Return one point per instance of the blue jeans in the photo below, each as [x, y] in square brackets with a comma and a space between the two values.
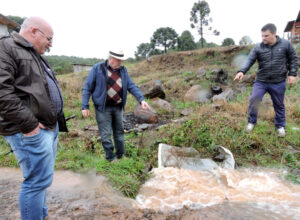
[36, 156]
[111, 121]
[276, 92]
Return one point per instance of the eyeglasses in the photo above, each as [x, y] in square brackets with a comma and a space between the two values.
[50, 39]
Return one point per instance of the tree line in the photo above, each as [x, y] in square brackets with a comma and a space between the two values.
[165, 39]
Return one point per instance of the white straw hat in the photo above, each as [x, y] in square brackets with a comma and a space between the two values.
[119, 54]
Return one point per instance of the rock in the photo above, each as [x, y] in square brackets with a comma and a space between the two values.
[224, 96]
[91, 128]
[187, 111]
[221, 76]
[201, 72]
[197, 94]
[228, 161]
[189, 158]
[216, 90]
[145, 115]
[185, 158]
[145, 126]
[163, 104]
[153, 89]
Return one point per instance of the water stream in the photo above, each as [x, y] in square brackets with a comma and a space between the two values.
[170, 193]
[260, 190]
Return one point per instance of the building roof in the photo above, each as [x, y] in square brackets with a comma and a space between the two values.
[298, 17]
[290, 24]
[6, 21]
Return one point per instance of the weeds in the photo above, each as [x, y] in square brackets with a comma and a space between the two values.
[205, 129]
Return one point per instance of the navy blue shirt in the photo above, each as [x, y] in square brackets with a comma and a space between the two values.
[54, 89]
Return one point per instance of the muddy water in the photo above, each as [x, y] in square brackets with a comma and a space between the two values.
[170, 194]
[263, 192]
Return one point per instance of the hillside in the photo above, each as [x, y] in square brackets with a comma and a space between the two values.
[205, 128]
[190, 60]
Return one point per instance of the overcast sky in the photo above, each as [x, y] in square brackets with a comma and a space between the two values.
[90, 28]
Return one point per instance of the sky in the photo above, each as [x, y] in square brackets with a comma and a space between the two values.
[91, 28]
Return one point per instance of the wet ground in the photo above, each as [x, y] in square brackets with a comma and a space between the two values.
[89, 196]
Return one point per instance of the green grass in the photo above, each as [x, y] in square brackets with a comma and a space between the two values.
[7, 159]
[127, 175]
[205, 129]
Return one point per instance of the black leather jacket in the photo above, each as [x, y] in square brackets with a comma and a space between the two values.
[24, 95]
[274, 62]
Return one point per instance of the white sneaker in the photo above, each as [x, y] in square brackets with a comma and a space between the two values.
[281, 132]
[249, 127]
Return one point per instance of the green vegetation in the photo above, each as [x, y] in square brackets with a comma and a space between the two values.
[205, 129]
[200, 19]
[63, 64]
[228, 41]
[186, 42]
[165, 37]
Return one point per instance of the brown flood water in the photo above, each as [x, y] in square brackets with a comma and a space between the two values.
[170, 193]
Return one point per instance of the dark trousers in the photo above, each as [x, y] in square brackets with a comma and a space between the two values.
[276, 92]
[110, 122]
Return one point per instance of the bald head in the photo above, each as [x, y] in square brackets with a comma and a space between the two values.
[38, 32]
[34, 22]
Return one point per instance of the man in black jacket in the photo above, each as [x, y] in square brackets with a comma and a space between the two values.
[277, 59]
[31, 111]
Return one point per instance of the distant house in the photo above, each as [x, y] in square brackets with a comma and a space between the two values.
[293, 30]
[79, 68]
[5, 24]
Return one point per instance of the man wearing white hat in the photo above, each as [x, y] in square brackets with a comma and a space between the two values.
[108, 83]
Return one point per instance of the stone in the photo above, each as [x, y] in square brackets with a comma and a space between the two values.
[224, 96]
[185, 158]
[187, 111]
[153, 89]
[163, 104]
[197, 94]
[145, 115]
[201, 72]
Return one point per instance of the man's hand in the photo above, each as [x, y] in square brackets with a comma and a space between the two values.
[291, 79]
[144, 105]
[36, 130]
[85, 113]
[239, 76]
